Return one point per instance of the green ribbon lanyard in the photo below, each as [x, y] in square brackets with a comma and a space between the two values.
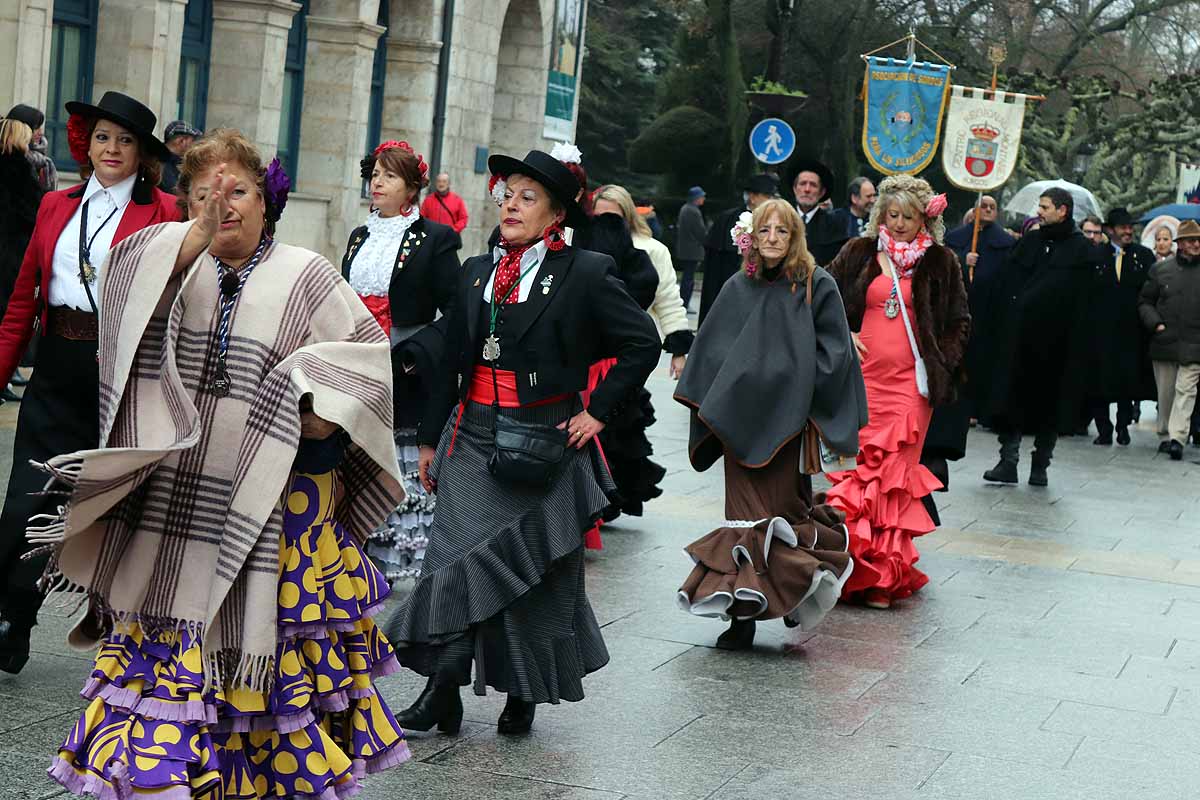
[494, 310]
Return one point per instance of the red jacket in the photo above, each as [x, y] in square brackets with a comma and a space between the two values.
[27, 304]
[449, 210]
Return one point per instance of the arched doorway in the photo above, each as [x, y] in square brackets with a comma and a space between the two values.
[518, 110]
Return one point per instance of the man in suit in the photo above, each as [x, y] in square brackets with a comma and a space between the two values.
[1119, 367]
[811, 181]
[691, 231]
[721, 258]
[855, 215]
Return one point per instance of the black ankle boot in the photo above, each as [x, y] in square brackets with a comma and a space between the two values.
[740, 635]
[14, 647]
[517, 716]
[1037, 473]
[1003, 472]
[439, 704]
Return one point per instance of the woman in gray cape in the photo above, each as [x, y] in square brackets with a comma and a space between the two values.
[772, 382]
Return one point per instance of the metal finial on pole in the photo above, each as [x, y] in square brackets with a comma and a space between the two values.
[911, 52]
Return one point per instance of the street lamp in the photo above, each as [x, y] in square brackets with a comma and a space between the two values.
[1083, 159]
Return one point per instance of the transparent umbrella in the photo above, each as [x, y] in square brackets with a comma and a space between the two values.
[1025, 202]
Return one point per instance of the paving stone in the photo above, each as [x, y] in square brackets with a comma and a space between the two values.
[20, 778]
[977, 778]
[1125, 726]
[1043, 681]
[894, 772]
[445, 782]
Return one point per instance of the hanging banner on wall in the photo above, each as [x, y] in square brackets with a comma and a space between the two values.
[1189, 184]
[562, 85]
[902, 123]
[983, 135]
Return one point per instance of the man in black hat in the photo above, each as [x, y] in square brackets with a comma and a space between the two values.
[825, 234]
[721, 258]
[178, 137]
[1118, 366]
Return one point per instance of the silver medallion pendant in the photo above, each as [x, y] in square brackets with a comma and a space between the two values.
[891, 308]
[87, 272]
[491, 348]
[221, 383]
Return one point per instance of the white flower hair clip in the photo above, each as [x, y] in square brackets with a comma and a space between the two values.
[567, 153]
[742, 232]
[497, 187]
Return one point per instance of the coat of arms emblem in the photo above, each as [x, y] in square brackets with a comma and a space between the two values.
[982, 149]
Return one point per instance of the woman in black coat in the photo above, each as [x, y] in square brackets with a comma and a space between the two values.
[20, 195]
[502, 583]
[404, 268]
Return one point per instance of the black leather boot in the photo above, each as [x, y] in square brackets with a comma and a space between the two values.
[1123, 436]
[14, 647]
[517, 716]
[1037, 472]
[439, 704]
[1003, 472]
[740, 635]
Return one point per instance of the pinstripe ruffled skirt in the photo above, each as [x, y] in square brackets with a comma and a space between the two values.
[502, 585]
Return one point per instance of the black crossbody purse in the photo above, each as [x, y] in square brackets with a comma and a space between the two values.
[526, 453]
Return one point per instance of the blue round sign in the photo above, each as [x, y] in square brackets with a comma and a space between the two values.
[772, 141]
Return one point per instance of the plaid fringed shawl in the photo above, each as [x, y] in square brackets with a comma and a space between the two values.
[175, 522]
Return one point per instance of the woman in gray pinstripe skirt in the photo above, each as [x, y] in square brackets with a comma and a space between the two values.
[502, 584]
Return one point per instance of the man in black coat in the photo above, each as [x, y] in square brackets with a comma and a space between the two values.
[1033, 389]
[824, 232]
[983, 273]
[1118, 367]
[721, 258]
[855, 215]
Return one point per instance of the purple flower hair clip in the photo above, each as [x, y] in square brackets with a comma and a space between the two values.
[277, 185]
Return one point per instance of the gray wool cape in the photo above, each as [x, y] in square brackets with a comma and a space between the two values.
[764, 364]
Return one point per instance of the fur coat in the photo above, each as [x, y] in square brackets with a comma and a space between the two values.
[940, 300]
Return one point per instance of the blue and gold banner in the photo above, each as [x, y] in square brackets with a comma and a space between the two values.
[904, 103]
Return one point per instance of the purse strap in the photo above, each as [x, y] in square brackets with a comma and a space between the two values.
[912, 340]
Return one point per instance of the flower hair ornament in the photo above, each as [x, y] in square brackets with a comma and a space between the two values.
[742, 235]
[497, 186]
[936, 205]
[79, 137]
[567, 153]
[276, 185]
[367, 165]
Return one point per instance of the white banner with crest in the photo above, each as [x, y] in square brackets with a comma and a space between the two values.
[1189, 184]
[982, 137]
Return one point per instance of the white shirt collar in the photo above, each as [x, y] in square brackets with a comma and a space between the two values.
[120, 193]
[807, 216]
[530, 263]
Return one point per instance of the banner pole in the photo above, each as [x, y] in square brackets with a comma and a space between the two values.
[975, 239]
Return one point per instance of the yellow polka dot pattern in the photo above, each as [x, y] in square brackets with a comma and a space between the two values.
[325, 661]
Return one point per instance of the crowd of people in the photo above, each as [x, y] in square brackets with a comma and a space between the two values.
[232, 464]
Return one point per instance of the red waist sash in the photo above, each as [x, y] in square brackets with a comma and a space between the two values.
[483, 391]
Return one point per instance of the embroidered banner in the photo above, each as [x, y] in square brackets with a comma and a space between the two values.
[1189, 184]
[983, 136]
[903, 102]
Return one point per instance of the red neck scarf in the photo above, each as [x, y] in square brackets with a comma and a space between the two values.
[508, 271]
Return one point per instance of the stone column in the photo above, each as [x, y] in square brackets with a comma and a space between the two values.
[25, 27]
[137, 52]
[245, 80]
[333, 122]
[410, 89]
[409, 92]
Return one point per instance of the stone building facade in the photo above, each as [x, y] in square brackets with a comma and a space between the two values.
[313, 81]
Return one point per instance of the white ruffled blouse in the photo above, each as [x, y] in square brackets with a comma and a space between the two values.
[371, 270]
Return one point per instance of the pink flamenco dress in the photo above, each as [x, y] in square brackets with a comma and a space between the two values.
[881, 496]
[154, 730]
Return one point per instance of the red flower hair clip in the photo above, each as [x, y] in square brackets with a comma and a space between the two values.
[79, 137]
[422, 167]
[388, 145]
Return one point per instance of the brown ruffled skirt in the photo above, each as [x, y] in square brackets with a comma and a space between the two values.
[776, 555]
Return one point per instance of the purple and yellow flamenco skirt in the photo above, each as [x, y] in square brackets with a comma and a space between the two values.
[152, 730]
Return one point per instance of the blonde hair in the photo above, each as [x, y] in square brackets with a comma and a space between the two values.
[15, 136]
[798, 263]
[912, 194]
[621, 196]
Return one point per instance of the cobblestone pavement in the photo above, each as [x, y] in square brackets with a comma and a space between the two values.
[1054, 654]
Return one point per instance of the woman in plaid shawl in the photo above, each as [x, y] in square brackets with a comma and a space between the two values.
[245, 419]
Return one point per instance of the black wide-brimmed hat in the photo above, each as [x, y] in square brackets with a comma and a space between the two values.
[1119, 216]
[812, 165]
[129, 114]
[763, 183]
[551, 173]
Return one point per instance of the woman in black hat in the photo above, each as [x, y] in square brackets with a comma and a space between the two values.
[42, 163]
[519, 479]
[58, 286]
